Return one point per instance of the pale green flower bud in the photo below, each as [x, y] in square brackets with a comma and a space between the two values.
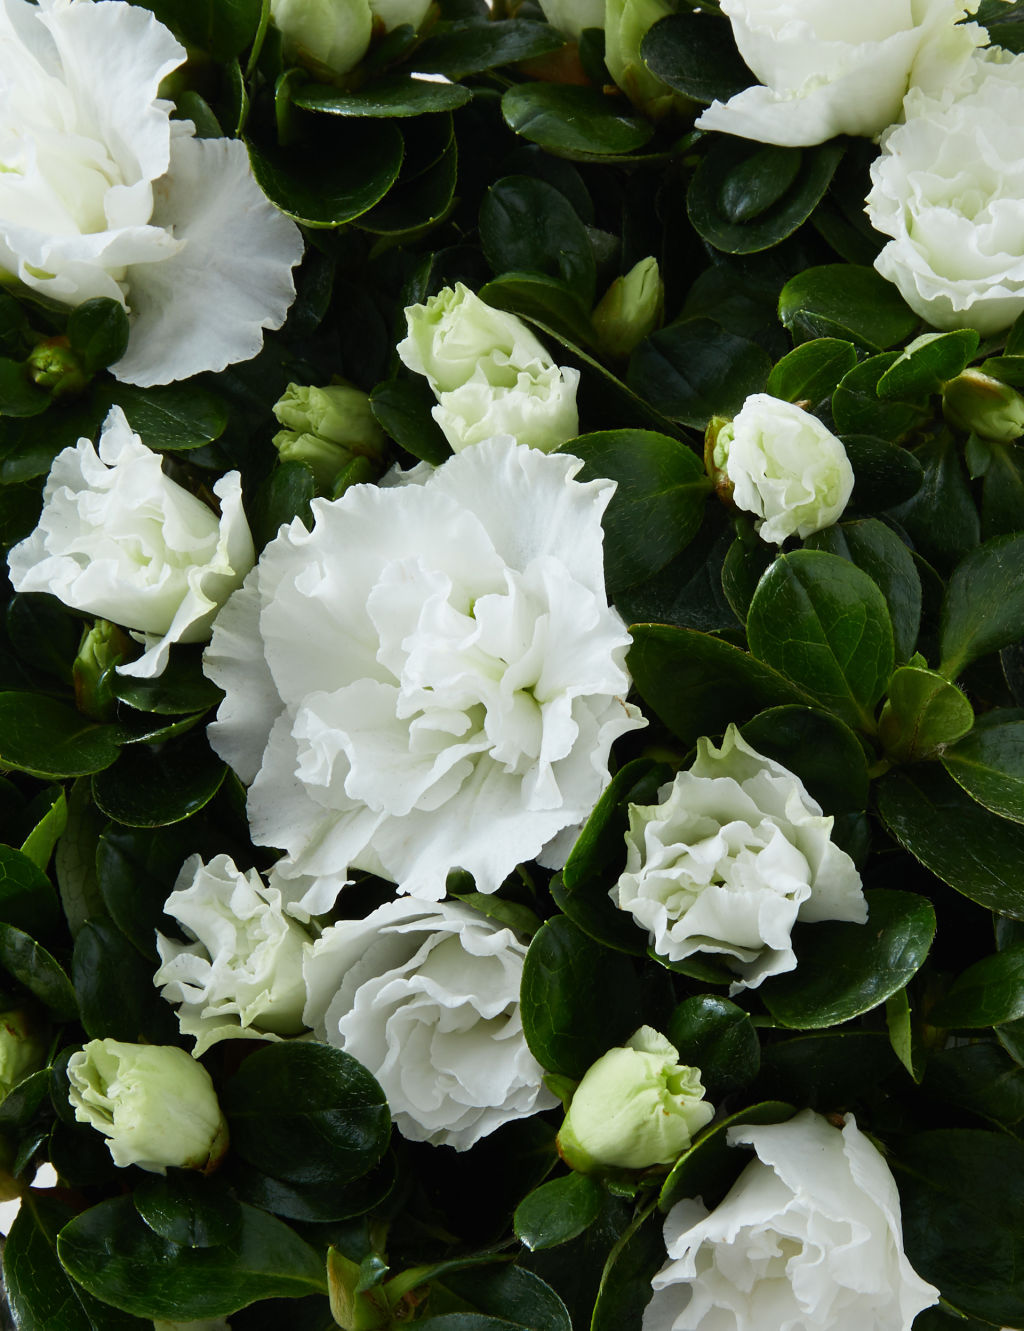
[154, 1103]
[627, 23]
[976, 402]
[630, 309]
[636, 1107]
[571, 17]
[101, 649]
[328, 36]
[22, 1050]
[54, 366]
[326, 428]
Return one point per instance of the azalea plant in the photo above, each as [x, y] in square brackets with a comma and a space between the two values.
[512, 677]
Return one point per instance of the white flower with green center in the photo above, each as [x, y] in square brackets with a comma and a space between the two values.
[102, 194]
[431, 678]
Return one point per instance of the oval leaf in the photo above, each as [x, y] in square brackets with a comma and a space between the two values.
[984, 606]
[989, 764]
[50, 739]
[574, 121]
[558, 1211]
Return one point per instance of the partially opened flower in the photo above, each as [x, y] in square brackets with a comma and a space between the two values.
[732, 855]
[118, 538]
[427, 998]
[431, 678]
[102, 194]
[810, 1238]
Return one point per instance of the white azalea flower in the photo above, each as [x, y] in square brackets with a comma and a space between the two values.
[242, 974]
[432, 678]
[948, 188]
[827, 68]
[102, 194]
[118, 538]
[732, 855]
[427, 998]
[810, 1238]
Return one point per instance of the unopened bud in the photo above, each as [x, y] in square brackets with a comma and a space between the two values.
[977, 403]
[630, 309]
[327, 428]
[54, 366]
[102, 648]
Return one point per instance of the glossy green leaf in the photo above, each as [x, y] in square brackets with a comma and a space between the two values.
[74, 860]
[928, 362]
[747, 197]
[659, 500]
[307, 1113]
[50, 739]
[985, 994]
[696, 683]
[717, 1037]
[823, 752]
[510, 1293]
[695, 54]
[153, 786]
[402, 408]
[573, 120]
[696, 369]
[286, 494]
[115, 989]
[625, 1287]
[397, 95]
[27, 899]
[527, 225]
[171, 417]
[857, 408]
[471, 46]
[710, 1167]
[812, 370]
[984, 606]
[743, 567]
[823, 623]
[221, 27]
[962, 1195]
[828, 1071]
[180, 688]
[981, 1078]
[316, 1203]
[135, 874]
[884, 474]
[577, 998]
[19, 396]
[876, 549]
[989, 764]
[558, 1211]
[188, 1208]
[414, 204]
[546, 300]
[599, 847]
[844, 970]
[846, 301]
[98, 332]
[922, 714]
[942, 517]
[38, 845]
[974, 851]
[112, 1252]
[31, 965]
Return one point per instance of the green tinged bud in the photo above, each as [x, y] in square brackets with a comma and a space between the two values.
[329, 37]
[22, 1050]
[977, 403]
[636, 1107]
[327, 428]
[101, 648]
[627, 23]
[54, 366]
[630, 309]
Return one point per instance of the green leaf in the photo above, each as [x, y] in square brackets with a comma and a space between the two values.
[844, 970]
[397, 95]
[509, 1292]
[879, 552]
[416, 202]
[19, 396]
[658, 505]
[307, 1113]
[846, 301]
[984, 606]
[718, 1037]
[974, 851]
[941, 518]
[98, 333]
[180, 688]
[989, 764]
[823, 623]
[112, 1252]
[402, 408]
[26, 898]
[928, 363]
[545, 300]
[558, 1211]
[981, 1078]
[115, 989]
[696, 369]
[697, 684]
[711, 1166]
[857, 408]
[472, 46]
[136, 872]
[884, 474]
[985, 994]
[829, 1071]
[572, 121]
[188, 1209]
[34, 967]
[823, 752]
[331, 177]
[527, 225]
[286, 494]
[171, 417]
[317, 1203]
[155, 785]
[38, 845]
[962, 1195]
[746, 197]
[49, 739]
[695, 54]
[922, 714]
[812, 370]
[75, 858]
[221, 27]
[577, 998]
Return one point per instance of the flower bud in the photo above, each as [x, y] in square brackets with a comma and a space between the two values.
[22, 1050]
[54, 366]
[326, 428]
[101, 649]
[154, 1103]
[327, 36]
[571, 17]
[977, 403]
[626, 25]
[631, 308]
[636, 1107]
